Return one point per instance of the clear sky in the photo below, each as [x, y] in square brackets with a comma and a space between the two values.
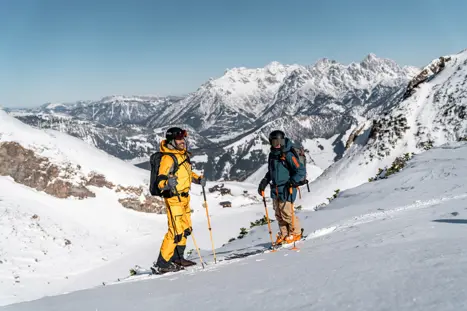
[56, 50]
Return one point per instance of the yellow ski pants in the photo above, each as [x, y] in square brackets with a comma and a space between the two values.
[179, 227]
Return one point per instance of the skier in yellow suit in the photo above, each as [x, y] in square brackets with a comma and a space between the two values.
[176, 186]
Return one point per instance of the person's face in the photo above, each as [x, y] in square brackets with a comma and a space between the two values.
[276, 143]
[180, 144]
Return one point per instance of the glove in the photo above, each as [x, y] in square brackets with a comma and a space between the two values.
[171, 184]
[262, 185]
[187, 232]
[291, 184]
[202, 181]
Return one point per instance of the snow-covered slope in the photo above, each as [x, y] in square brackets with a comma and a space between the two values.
[66, 150]
[432, 114]
[411, 218]
[47, 243]
[49, 246]
[51, 242]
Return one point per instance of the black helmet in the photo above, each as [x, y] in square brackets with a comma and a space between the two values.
[175, 133]
[277, 137]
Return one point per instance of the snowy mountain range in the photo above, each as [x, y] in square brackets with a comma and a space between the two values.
[313, 104]
[431, 113]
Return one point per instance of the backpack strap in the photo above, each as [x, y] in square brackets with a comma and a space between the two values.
[175, 166]
[283, 159]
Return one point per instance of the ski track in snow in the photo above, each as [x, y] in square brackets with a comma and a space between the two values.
[341, 226]
[370, 217]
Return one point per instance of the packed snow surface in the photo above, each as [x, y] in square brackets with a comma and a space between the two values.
[392, 244]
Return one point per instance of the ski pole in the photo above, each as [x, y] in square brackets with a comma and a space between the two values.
[197, 249]
[269, 223]
[209, 225]
[293, 217]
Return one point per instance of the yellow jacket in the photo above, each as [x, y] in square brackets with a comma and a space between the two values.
[185, 176]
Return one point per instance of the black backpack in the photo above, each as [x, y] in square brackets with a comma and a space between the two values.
[155, 162]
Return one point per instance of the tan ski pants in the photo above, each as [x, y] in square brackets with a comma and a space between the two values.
[283, 213]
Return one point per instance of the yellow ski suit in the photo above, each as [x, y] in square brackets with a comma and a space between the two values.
[178, 207]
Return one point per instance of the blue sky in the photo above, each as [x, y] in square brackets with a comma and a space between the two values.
[56, 51]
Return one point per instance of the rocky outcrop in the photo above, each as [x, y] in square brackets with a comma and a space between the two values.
[427, 74]
[353, 136]
[147, 204]
[26, 168]
[29, 169]
[99, 180]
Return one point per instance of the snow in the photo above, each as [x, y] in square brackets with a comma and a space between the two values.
[424, 113]
[200, 158]
[64, 149]
[373, 248]
[321, 151]
[247, 86]
[106, 239]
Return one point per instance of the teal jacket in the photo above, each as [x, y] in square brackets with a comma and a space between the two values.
[283, 168]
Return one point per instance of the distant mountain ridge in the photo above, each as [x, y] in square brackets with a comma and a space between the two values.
[323, 101]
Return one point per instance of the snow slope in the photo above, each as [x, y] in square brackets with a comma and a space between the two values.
[433, 115]
[106, 239]
[394, 244]
[63, 149]
[49, 245]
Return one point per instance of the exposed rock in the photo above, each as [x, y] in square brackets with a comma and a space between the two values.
[353, 136]
[149, 204]
[427, 74]
[64, 189]
[25, 167]
[37, 172]
[99, 180]
[134, 190]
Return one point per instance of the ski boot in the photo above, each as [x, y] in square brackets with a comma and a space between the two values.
[171, 268]
[184, 262]
[293, 237]
[279, 239]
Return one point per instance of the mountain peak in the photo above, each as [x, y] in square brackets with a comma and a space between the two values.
[370, 57]
[275, 67]
[325, 62]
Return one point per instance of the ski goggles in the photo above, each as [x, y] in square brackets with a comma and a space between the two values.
[277, 141]
[180, 135]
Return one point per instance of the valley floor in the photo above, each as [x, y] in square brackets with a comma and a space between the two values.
[394, 244]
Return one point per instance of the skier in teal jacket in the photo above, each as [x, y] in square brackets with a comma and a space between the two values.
[285, 171]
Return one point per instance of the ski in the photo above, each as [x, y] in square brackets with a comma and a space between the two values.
[138, 271]
[237, 255]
